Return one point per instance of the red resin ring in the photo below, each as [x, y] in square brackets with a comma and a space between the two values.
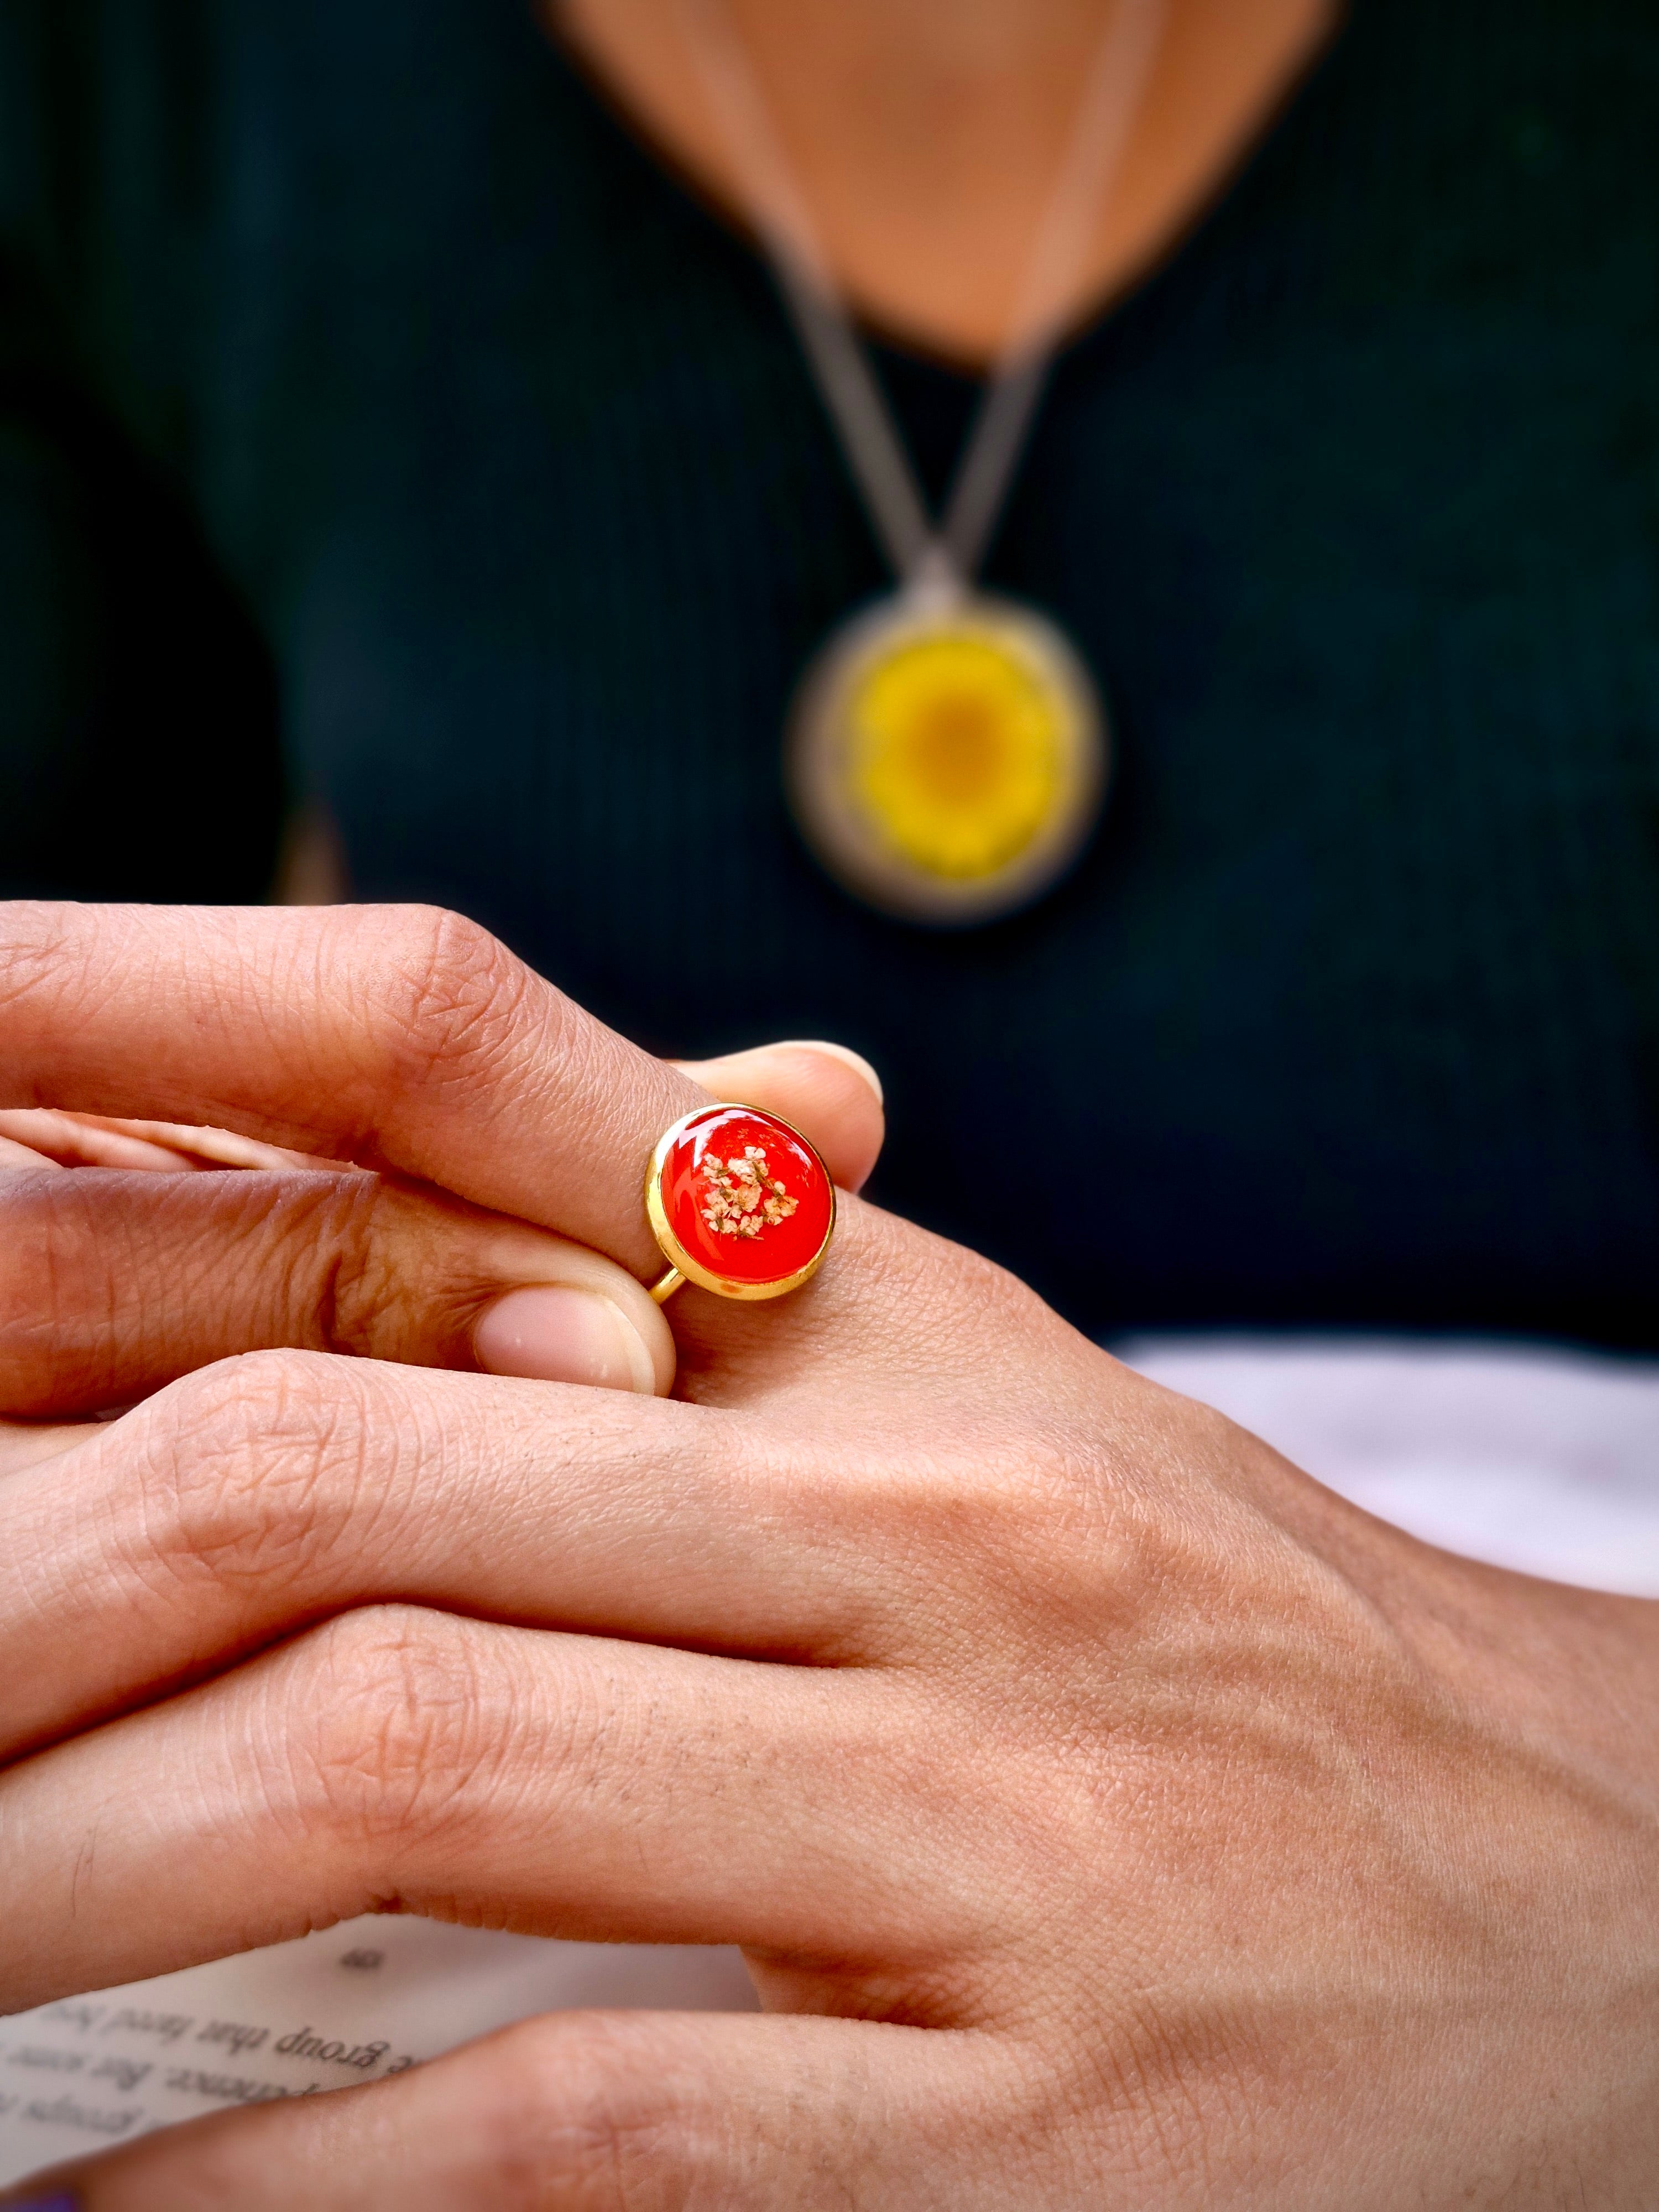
[739, 1202]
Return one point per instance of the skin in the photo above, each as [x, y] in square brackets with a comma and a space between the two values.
[924, 133]
[1110, 1815]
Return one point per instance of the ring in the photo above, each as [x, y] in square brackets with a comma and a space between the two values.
[740, 1203]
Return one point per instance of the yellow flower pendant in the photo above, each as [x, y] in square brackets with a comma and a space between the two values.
[947, 756]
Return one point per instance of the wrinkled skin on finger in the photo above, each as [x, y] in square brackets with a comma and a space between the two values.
[116, 1283]
[1109, 1814]
[188, 1245]
[401, 1038]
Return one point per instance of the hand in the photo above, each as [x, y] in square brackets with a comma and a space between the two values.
[1118, 1818]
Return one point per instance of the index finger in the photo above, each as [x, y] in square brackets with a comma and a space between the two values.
[394, 1036]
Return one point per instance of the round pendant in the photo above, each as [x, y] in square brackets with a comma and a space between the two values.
[947, 756]
[739, 1202]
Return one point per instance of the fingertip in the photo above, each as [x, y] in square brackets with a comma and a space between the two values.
[844, 1053]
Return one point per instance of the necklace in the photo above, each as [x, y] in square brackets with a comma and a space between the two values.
[947, 752]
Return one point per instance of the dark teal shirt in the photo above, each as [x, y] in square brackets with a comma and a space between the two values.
[368, 396]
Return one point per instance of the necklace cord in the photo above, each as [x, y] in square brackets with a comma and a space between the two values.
[920, 553]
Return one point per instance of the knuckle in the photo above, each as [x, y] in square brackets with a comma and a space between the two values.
[1005, 1529]
[44, 1234]
[324, 1236]
[456, 996]
[395, 1716]
[407, 1271]
[587, 2113]
[252, 1465]
[1002, 1493]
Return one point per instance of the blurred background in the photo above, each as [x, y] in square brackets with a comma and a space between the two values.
[412, 486]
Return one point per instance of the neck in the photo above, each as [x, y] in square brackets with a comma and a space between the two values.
[926, 134]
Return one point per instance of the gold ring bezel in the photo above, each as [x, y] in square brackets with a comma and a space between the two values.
[723, 1286]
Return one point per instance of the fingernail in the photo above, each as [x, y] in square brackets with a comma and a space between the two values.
[552, 1334]
[856, 1060]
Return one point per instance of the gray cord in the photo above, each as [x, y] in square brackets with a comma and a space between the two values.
[947, 555]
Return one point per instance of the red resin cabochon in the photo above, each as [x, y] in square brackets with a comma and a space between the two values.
[723, 1203]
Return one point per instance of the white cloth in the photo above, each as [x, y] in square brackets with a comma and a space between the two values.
[1543, 1461]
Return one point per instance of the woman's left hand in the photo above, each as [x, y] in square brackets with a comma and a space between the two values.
[1120, 1818]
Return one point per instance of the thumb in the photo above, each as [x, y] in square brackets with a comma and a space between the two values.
[116, 1283]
